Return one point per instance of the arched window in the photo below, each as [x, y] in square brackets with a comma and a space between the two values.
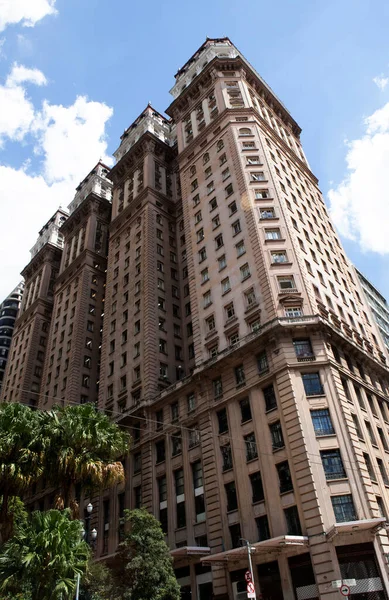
[205, 158]
[220, 145]
[192, 170]
[245, 131]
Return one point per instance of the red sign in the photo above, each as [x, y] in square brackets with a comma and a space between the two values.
[345, 590]
[247, 576]
[250, 588]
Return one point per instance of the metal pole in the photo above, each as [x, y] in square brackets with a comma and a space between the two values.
[78, 587]
[251, 566]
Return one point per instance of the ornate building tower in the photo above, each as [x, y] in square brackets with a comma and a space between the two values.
[71, 371]
[278, 433]
[23, 375]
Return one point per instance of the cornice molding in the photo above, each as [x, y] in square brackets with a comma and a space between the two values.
[49, 253]
[148, 143]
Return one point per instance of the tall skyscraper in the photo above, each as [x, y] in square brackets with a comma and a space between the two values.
[8, 312]
[23, 375]
[71, 372]
[237, 347]
[378, 305]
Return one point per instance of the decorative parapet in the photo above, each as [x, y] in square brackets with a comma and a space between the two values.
[97, 183]
[149, 121]
[50, 234]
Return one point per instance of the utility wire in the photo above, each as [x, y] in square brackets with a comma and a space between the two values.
[226, 436]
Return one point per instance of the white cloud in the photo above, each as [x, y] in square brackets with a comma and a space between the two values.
[68, 140]
[16, 109]
[21, 74]
[25, 12]
[381, 81]
[68, 134]
[359, 205]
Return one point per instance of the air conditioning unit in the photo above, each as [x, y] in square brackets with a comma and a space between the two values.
[239, 590]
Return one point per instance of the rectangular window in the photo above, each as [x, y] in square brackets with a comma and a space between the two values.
[293, 312]
[191, 402]
[292, 518]
[251, 447]
[226, 457]
[322, 423]
[179, 482]
[222, 263]
[240, 377]
[217, 388]
[219, 243]
[257, 487]
[332, 464]
[267, 213]
[176, 444]
[236, 535]
[194, 437]
[303, 348]
[262, 362]
[344, 509]
[257, 176]
[245, 410]
[279, 257]
[312, 384]
[383, 472]
[245, 272]
[240, 249]
[222, 421]
[160, 451]
[272, 234]
[286, 283]
[270, 397]
[285, 477]
[263, 528]
[226, 285]
[276, 436]
[232, 499]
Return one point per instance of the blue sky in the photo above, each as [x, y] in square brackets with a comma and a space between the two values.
[91, 67]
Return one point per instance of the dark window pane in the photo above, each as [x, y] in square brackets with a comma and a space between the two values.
[276, 436]
[284, 476]
[226, 457]
[344, 509]
[263, 528]
[222, 420]
[293, 526]
[303, 349]
[245, 410]
[257, 487]
[235, 535]
[232, 500]
[312, 384]
[332, 464]
[270, 397]
[322, 422]
[251, 446]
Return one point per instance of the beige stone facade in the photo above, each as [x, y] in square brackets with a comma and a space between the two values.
[236, 348]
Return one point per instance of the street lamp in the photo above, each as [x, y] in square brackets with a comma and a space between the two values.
[250, 549]
[90, 539]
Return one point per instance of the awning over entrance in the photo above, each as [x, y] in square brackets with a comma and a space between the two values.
[372, 525]
[283, 543]
[190, 551]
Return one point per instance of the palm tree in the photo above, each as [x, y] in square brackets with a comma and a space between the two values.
[45, 555]
[82, 447]
[20, 457]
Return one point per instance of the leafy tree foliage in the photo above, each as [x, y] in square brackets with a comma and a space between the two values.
[82, 446]
[20, 457]
[45, 555]
[147, 565]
